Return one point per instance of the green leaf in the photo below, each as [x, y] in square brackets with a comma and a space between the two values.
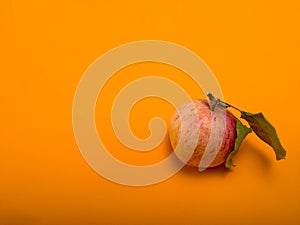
[265, 131]
[242, 132]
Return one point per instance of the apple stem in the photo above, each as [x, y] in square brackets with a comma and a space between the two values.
[215, 101]
[228, 105]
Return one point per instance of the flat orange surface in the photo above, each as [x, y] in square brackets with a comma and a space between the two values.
[45, 46]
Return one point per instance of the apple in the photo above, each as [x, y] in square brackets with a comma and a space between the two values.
[213, 128]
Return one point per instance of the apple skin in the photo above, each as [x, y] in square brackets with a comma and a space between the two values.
[205, 115]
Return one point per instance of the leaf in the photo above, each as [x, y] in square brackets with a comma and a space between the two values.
[265, 131]
[242, 132]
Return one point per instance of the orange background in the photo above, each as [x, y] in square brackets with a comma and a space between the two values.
[45, 47]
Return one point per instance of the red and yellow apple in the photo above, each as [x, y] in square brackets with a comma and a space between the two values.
[211, 133]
